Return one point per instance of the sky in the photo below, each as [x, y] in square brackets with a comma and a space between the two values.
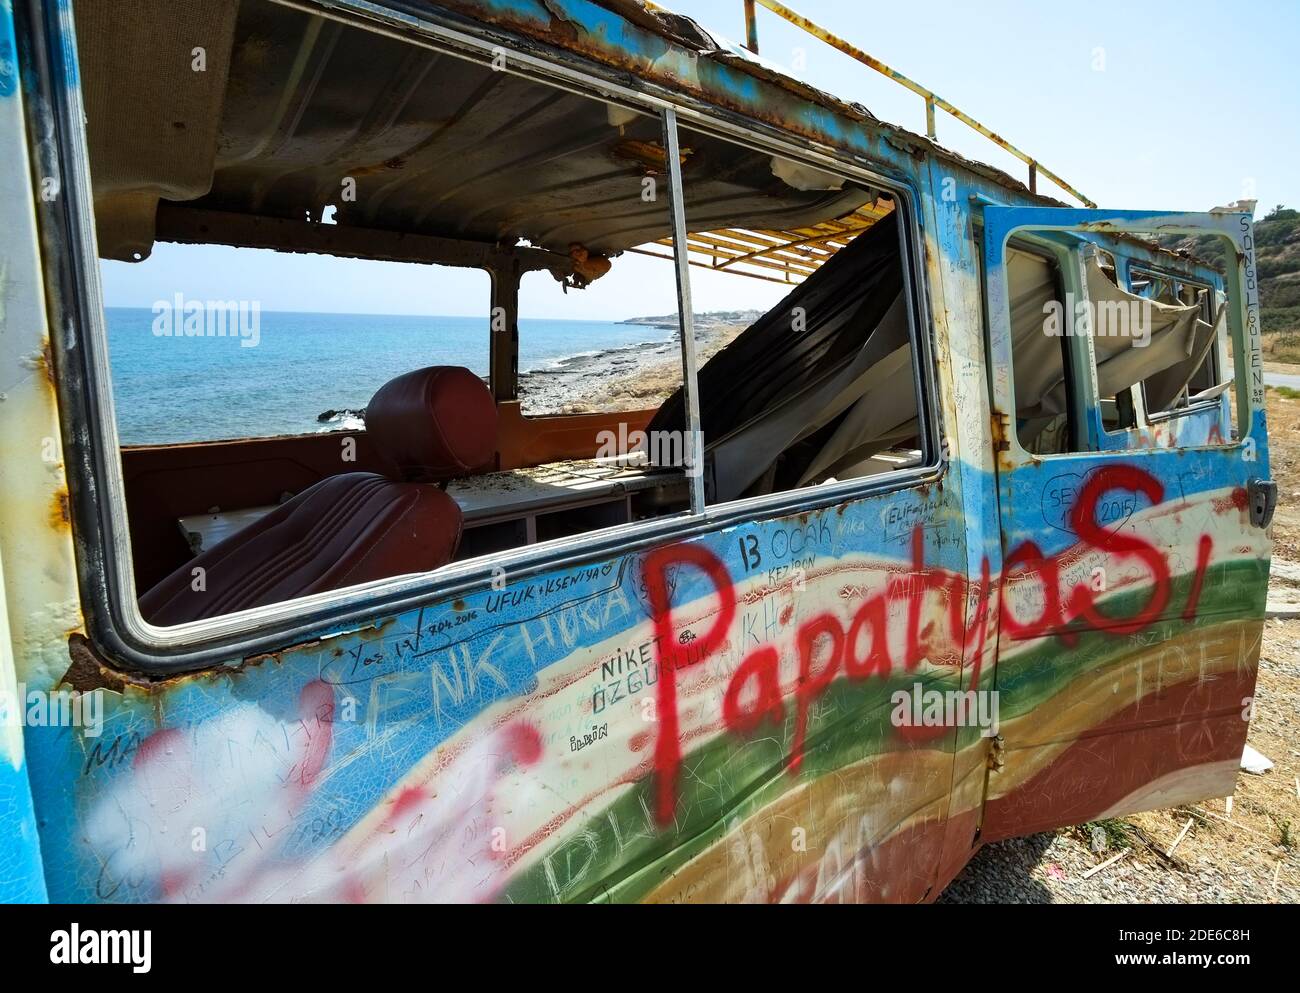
[1179, 105]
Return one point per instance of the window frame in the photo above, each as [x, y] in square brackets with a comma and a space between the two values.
[74, 303]
[1068, 247]
[1080, 386]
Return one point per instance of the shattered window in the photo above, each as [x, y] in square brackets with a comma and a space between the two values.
[1152, 346]
[1200, 385]
[1158, 339]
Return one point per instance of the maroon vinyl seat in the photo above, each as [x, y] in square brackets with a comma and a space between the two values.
[433, 424]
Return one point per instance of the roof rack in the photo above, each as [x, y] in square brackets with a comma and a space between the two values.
[931, 99]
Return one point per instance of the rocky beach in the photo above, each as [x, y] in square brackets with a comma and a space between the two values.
[634, 377]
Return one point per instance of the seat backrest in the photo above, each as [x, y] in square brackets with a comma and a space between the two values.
[357, 527]
[434, 423]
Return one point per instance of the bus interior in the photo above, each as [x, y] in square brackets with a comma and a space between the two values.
[457, 161]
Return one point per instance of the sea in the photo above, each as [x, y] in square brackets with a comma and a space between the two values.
[174, 389]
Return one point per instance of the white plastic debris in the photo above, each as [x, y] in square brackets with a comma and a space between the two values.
[1099, 844]
[1280, 609]
[1255, 763]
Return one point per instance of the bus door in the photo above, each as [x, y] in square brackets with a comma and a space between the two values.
[1134, 493]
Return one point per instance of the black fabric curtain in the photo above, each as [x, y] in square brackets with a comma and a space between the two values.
[779, 354]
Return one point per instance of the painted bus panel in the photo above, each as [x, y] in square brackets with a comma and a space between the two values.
[715, 718]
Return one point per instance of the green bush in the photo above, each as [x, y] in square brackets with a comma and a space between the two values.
[1277, 295]
[1278, 319]
[1271, 233]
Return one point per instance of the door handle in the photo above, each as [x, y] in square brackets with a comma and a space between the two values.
[1263, 501]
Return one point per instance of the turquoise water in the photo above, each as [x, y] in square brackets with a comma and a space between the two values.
[169, 389]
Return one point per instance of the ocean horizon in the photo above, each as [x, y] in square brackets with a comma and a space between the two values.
[176, 389]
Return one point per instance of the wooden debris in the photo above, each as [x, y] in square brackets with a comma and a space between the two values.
[1181, 834]
[1110, 861]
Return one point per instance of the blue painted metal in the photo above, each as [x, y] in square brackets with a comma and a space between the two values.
[22, 878]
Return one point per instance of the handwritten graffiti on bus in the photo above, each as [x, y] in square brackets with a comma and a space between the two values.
[825, 647]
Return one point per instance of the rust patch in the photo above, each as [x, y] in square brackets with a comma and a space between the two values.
[87, 672]
[561, 27]
[368, 633]
[222, 671]
[650, 154]
[60, 512]
[1000, 427]
[908, 148]
[47, 361]
[255, 660]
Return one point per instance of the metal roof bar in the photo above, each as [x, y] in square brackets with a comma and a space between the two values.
[932, 101]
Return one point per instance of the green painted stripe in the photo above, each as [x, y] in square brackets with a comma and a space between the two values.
[617, 854]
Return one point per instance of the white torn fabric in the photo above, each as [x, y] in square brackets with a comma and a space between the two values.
[802, 177]
[883, 416]
[1213, 393]
[880, 402]
[1035, 355]
[817, 404]
[1165, 386]
[1134, 338]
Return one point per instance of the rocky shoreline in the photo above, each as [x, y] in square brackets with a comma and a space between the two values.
[633, 377]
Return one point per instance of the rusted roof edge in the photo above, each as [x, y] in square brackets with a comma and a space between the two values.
[565, 28]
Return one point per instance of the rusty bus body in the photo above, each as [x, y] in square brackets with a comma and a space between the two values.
[695, 701]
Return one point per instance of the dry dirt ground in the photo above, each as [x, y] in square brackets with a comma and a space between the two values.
[1246, 850]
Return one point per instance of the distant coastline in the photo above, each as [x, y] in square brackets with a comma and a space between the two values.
[707, 319]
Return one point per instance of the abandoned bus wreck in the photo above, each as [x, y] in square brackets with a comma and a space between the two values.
[964, 537]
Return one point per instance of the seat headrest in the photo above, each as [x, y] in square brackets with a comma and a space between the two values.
[434, 422]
